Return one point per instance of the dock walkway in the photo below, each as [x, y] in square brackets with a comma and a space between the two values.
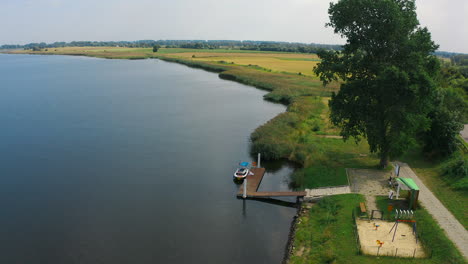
[253, 182]
[312, 194]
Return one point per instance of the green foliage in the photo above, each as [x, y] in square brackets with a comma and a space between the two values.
[456, 171]
[442, 137]
[278, 137]
[386, 67]
[460, 59]
[156, 48]
[196, 64]
[449, 112]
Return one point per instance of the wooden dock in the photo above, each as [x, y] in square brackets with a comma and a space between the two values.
[253, 182]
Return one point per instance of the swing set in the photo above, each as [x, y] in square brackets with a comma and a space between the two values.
[408, 214]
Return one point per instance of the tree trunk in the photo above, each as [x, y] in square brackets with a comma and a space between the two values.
[384, 160]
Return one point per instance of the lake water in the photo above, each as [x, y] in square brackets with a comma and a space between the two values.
[120, 161]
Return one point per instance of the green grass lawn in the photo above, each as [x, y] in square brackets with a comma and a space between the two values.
[326, 235]
[319, 176]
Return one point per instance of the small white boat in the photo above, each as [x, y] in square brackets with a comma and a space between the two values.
[241, 173]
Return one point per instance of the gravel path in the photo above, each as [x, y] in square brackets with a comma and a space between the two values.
[327, 191]
[370, 183]
[454, 230]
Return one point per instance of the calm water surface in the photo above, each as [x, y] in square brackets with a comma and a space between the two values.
[119, 161]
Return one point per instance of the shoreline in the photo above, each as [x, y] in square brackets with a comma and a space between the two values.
[301, 210]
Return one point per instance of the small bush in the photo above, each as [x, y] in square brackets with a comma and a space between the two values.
[456, 171]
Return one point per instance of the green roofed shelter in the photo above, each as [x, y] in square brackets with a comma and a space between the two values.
[412, 187]
[409, 182]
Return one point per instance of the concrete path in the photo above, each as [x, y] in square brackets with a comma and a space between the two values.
[464, 133]
[319, 192]
[454, 230]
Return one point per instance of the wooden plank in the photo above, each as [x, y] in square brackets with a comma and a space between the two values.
[363, 207]
[253, 182]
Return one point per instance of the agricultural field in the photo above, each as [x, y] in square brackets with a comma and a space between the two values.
[277, 62]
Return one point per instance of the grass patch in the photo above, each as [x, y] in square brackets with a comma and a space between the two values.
[319, 176]
[327, 234]
[298, 59]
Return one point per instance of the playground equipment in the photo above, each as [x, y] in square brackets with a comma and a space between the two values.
[380, 244]
[404, 216]
[410, 185]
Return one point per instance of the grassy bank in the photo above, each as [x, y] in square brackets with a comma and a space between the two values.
[325, 234]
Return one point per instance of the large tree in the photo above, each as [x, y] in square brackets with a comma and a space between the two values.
[386, 71]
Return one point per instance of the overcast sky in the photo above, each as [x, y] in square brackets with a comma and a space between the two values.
[25, 21]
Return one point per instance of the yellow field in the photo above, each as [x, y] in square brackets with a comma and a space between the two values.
[287, 62]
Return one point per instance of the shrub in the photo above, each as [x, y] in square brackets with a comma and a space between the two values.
[456, 170]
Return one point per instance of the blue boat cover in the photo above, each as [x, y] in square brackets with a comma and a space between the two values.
[244, 164]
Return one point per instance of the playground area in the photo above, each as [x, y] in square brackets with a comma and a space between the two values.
[376, 236]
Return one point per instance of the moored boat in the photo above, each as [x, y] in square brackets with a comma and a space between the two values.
[242, 171]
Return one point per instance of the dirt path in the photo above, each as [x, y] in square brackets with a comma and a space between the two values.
[454, 230]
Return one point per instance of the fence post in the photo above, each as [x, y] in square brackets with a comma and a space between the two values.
[258, 161]
[244, 195]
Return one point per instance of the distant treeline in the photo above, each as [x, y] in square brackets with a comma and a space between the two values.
[190, 44]
[277, 46]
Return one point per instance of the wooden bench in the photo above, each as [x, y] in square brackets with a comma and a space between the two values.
[363, 208]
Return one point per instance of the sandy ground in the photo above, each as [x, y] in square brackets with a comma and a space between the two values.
[370, 183]
[404, 244]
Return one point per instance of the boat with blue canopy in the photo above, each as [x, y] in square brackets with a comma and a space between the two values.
[242, 171]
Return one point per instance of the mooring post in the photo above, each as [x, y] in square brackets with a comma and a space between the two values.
[244, 195]
[258, 161]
